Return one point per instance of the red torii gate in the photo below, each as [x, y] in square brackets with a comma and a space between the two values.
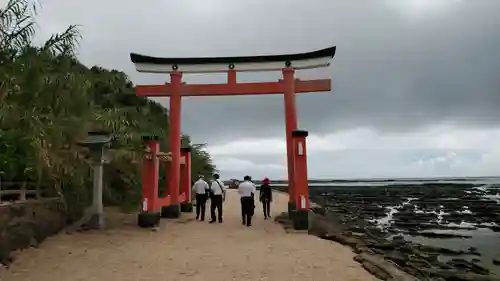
[176, 89]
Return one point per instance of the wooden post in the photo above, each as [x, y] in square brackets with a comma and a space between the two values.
[301, 217]
[186, 205]
[150, 215]
[150, 175]
[174, 145]
[290, 126]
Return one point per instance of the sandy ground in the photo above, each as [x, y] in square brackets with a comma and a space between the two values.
[186, 249]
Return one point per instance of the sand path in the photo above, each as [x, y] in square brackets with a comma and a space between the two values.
[186, 249]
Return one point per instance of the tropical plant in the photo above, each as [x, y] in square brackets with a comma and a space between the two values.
[49, 100]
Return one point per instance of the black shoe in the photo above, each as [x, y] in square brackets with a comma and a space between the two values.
[220, 221]
[249, 225]
[202, 219]
[212, 221]
[197, 218]
[265, 218]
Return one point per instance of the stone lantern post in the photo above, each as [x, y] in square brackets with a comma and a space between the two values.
[97, 143]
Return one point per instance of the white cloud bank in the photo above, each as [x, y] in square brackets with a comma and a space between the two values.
[363, 153]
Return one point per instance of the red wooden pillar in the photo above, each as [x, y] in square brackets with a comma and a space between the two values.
[174, 145]
[301, 217]
[186, 205]
[290, 125]
[150, 175]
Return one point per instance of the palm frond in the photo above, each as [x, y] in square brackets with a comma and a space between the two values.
[64, 43]
[17, 24]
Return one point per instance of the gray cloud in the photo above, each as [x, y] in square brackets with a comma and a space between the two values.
[391, 72]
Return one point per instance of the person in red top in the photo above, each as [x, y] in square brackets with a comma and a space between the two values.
[266, 197]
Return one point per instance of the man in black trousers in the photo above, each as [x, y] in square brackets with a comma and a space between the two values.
[246, 189]
[217, 193]
[200, 189]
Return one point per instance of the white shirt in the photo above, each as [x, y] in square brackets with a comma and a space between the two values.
[217, 188]
[200, 186]
[246, 188]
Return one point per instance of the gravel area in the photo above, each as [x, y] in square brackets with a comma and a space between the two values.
[186, 249]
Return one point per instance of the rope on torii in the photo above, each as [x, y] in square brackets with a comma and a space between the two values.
[164, 156]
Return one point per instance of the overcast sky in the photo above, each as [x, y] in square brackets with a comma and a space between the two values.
[416, 83]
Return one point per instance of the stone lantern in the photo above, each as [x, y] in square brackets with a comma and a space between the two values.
[97, 143]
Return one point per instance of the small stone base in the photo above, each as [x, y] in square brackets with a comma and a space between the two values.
[186, 207]
[148, 220]
[96, 221]
[301, 220]
[291, 208]
[171, 212]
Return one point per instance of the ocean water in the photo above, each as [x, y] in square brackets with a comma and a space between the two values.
[486, 241]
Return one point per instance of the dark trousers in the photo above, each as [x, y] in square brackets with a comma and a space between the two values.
[216, 204]
[247, 210]
[201, 202]
[266, 207]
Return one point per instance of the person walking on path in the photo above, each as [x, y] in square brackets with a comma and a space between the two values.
[266, 197]
[246, 189]
[217, 193]
[201, 189]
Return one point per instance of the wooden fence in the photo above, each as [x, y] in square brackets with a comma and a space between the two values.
[18, 191]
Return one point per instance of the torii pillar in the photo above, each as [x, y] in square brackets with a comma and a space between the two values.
[300, 215]
[289, 86]
[290, 126]
[186, 204]
[174, 145]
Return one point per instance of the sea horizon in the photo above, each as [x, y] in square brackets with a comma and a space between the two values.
[393, 181]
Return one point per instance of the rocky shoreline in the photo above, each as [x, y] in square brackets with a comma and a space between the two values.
[391, 227]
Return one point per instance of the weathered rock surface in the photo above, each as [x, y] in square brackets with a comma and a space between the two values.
[434, 211]
[26, 224]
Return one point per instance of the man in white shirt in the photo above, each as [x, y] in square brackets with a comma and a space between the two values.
[247, 190]
[200, 189]
[217, 194]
